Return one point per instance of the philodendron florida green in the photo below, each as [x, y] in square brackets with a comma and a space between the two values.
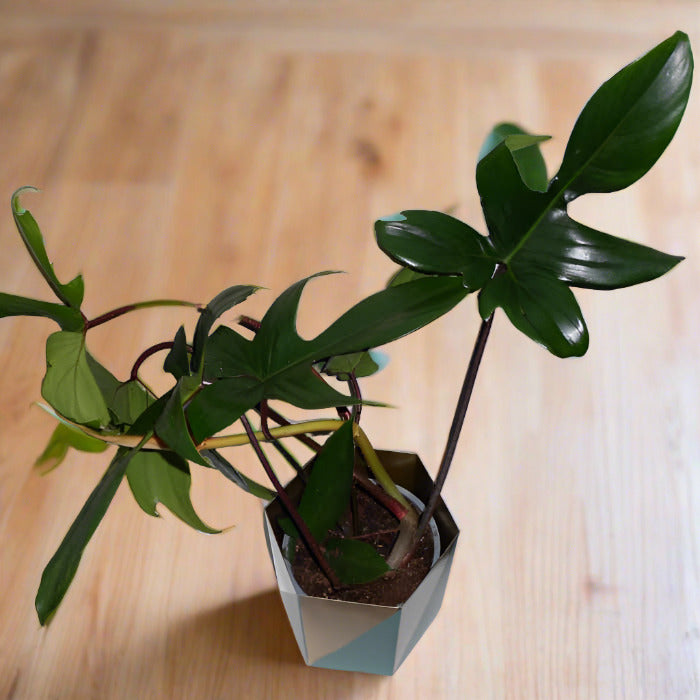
[533, 254]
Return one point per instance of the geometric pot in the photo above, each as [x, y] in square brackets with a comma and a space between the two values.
[357, 636]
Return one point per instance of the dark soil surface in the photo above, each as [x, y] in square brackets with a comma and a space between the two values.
[379, 528]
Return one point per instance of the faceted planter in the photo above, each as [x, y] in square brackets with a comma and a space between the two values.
[356, 636]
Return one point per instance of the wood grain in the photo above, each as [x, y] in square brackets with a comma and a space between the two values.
[183, 147]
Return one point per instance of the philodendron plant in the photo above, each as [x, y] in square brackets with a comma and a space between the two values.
[533, 255]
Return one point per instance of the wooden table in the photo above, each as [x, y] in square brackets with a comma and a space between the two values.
[182, 147]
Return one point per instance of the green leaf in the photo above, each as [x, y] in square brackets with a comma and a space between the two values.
[403, 275]
[163, 477]
[69, 385]
[68, 319]
[355, 561]
[177, 362]
[542, 307]
[171, 426]
[526, 153]
[64, 437]
[327, 493]
[629, 121]
[71, 294]
[278, 364]
[436, 243]
[221, 303]
[59, 572]
[237, 477]
[361, 364]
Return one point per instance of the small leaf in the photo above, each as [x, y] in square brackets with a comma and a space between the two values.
[355, 561]
[163, 477]
[526, 153]
[221, 303]
[69, 385]
[177, 361]
[361, 364]
[68, 319]
[59, 572]
[63, 438]
[436, 243]
[71, 294]
[237, 477]
[629, 121]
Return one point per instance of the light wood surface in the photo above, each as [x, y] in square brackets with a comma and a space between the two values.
[182, 147]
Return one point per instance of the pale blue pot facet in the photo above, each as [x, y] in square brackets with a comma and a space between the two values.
[356, 636]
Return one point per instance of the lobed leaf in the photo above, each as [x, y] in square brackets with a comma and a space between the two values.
[62, 439]
[68, 318]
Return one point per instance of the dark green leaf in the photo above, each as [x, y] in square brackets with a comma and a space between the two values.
[526, 153]
[237, 477]
[64, 437]
[163, 477]
[361, 364]
[355, 561]
[403, 275]
[540, 306]
[71, 293]
[433, 242]
[59, 572]
[69, 319]
[327, 493]
[221, 303]
[629, 121]
[177, 361]
[69, 385]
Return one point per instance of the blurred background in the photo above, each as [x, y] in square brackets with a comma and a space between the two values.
[184, 147]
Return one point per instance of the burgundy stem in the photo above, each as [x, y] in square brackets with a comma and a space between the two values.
[381, 496]
[298, 521]
[146, 354]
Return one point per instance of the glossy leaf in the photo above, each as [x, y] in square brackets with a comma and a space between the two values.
[62, 439]
[69, 385]
[436, 243]
[403, 275]
[59, 572]
[71, 293]
[221, 303]
[355, 561]
[526, 153]
[69, 319]
[629, 121]
[278, 364]
[163, 477]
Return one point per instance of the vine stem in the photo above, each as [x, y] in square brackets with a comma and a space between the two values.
[455, 430]
[166, 345]
[293, 513]
[120, 311]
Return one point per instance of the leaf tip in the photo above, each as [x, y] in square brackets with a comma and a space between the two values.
[17, 208]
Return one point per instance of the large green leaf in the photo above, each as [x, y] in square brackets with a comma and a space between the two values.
[64, 437]
[278, 364]
[629, 121]
[526, 153]
[59, 572]
[355, 561]
[163, 477]
[69, 385]
[221, 303]
[68, 318]
[620, 134]
[71, 293]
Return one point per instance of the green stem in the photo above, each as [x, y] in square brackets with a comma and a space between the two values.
[115, 313]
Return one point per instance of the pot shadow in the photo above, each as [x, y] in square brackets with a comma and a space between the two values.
[247, 649]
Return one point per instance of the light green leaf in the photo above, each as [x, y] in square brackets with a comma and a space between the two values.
[163, 477]
[69, 385]
[64, 437]
[71, 294]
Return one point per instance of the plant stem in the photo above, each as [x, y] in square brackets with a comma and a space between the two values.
[264, 411]
[115, 313]
[293, 513]
[455, 430]
[166, 345]
[291, 430]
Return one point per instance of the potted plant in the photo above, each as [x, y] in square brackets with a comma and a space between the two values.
[360, 539]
